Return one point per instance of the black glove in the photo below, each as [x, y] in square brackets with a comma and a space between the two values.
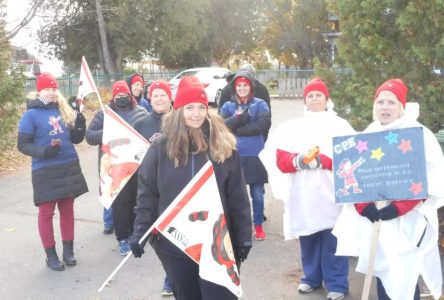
[80, 120]
[244, 117]
[51, 151]
[371, 212]
[243, 252]
[134, 245]
[389, 212]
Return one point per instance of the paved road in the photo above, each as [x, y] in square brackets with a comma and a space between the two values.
[272, 270]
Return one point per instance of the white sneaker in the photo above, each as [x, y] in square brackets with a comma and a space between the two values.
[335, 296]
[304, 288]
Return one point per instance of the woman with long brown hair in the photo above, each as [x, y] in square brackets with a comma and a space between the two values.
[192, 136]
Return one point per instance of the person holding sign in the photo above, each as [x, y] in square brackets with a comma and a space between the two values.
[298, 158]
[47, 132]
[406, 245]
[122, 208]
[192, 136]
[149, 127]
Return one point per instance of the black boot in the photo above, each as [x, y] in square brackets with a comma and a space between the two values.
[68, 253]
[52, 260]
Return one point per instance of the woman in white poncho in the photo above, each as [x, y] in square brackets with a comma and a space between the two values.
[407, 245]
[307, 188]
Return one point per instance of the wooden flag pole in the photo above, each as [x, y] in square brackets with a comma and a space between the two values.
[371, 259]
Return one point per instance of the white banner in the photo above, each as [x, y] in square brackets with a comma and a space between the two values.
[195, 222]
[123, 150]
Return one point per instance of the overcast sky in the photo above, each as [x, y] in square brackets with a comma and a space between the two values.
[27, 37]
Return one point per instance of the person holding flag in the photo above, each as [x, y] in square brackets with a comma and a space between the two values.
[149, 127]
[407, 242]
[193, 137]
[122, 208]
[47, 132]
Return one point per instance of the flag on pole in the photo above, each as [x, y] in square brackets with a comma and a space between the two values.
[195, 222]
[123, 150]
[86, 81]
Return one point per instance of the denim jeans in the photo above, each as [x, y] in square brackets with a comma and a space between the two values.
[108, 217]
[257, 192]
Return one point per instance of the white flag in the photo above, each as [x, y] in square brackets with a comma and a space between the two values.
[123, 150]
[195, 222]
[86, 81]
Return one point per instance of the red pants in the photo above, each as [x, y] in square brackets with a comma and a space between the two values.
[46, 214]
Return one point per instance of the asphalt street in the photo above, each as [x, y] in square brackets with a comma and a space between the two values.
[272, 270]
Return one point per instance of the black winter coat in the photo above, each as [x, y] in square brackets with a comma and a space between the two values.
[160, 182]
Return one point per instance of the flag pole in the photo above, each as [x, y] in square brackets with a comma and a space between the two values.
[371, 259]
[125, 259]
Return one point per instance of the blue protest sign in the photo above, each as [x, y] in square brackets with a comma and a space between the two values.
[386, 165]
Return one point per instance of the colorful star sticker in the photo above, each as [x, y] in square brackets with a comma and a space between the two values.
[405, 146]
[392, 138]
[416, 188]
[361, 146]
[377, 154]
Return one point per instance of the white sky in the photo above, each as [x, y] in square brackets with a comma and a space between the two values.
[27, 37]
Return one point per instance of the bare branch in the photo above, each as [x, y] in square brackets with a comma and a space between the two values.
[29, 16]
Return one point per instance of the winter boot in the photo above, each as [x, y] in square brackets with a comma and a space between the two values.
[52, 260]
[68, 253]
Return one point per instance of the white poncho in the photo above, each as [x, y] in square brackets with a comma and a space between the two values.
[399, 261]
[308, 194]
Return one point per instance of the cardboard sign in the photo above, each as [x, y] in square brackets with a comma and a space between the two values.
[386, 165]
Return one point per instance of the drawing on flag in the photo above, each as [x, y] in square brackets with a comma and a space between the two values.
[123, 151]
[195, 222]
[86, 82]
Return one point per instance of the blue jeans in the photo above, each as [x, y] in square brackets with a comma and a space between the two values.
[108, 217]
[257, 192]
[321, 264]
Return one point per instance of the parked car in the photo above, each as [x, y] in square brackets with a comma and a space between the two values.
[212, 77]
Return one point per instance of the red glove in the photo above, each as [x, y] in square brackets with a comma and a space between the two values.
[326, 161]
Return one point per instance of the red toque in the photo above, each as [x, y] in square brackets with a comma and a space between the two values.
[190, 90]
[120, 86]
[160, 84]
[316, 84]
[46, 81]
[397, 87]
[136, 78]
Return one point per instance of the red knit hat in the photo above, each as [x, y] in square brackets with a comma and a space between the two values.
[120, 86]
[244, 80]
[190, 90]
[136, 78]
[397, 87]
[46, 81]
[160, 84]
[316, 84]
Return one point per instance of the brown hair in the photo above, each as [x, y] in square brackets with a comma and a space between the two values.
[220, 142]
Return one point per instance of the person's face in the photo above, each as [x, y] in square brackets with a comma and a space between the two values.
[49, 94]
[316, 101]
[137, 88]
[243, 89]
[387, 107]
[194, 114]
[160, 101]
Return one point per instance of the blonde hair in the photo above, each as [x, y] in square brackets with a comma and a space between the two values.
[67, 113]
[220, 143]
[375, 115]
